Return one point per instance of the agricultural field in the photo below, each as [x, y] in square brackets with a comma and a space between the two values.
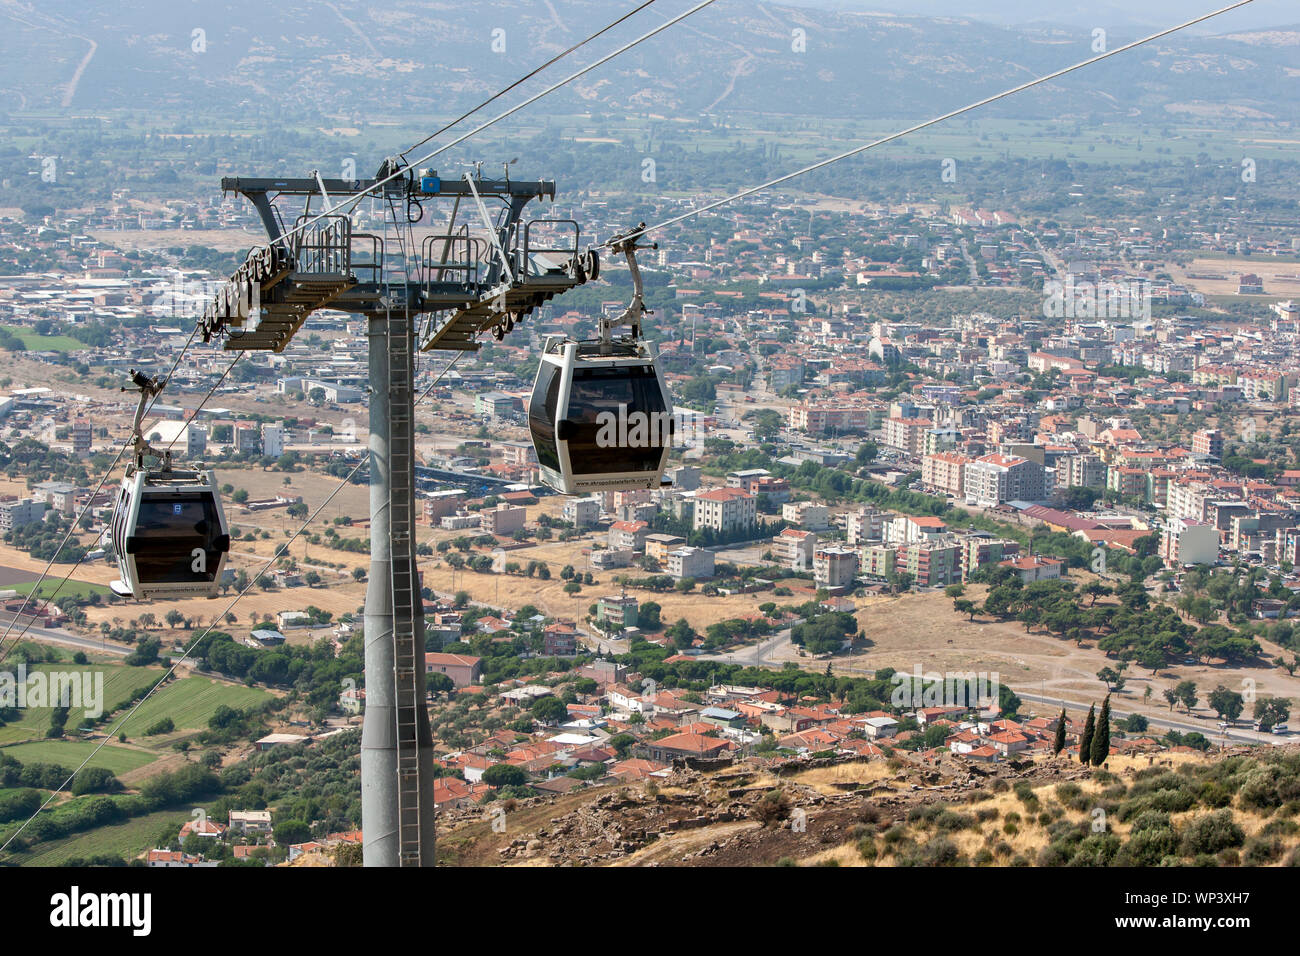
[119, 839]
[70, 753]
[50, 588]
[190, 702]
[120, 683]
[43, 343]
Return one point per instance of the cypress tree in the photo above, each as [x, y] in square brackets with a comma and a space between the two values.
[1059, 744]
[1085, 742]
[1101, 738]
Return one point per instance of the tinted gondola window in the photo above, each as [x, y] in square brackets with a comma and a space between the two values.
[168, 530]
[629, 399]
[541, 415]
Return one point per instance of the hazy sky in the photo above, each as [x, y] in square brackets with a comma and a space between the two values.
[1087, 13]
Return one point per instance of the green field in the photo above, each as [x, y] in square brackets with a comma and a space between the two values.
[78, 589]
[43, 343]
[190, 703]
[70, 753]
[120, 683]
[120, 839]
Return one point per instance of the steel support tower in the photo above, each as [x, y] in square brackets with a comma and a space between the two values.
[465, 282]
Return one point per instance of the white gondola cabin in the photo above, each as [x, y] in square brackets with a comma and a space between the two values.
[170, 535]
[600, 416]
[169, 530]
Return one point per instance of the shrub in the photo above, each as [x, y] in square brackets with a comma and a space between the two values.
[1149, 846]
[937, 852]
[1262, 849]
[893, 835]
[1215, 794]
[950, 821]
[164, 726]
[774, 807]
[1096, 850]
[1151, 820]
[1280, 828]
[1067, 791]
[1212, 832]
[95, 780]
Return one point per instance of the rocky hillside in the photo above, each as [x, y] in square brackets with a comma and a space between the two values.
[1239, 807]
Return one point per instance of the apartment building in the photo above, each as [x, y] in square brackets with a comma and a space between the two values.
[865, 525]
[581, 512]
[808, 516]
[196, 441]
[628, 535]
[1126, 481]
[657, 546]
[1080, 471]
[1186, 541]
[995, 479]
[794, 549]
[835, 567]
[503, 519]
[907, 434]
[821, 419]
[935, 562]
[945, 472]
[18, 514]
[1189, 499]
[724, 510]
[878, 561]
[439, 504]
[980, 549]
[518, 454]
[684, 477]
[272, 440]
[690, 563]
[1208, 441]
[617, 610]
[907, 529]
[80, 433]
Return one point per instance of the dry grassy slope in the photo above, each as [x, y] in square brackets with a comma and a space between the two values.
[696, 818]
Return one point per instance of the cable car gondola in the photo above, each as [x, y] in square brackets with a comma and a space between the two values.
[600, 414]
[169, 529]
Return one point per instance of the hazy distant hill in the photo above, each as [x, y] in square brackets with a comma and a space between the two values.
[349, 57]
[1110, 14]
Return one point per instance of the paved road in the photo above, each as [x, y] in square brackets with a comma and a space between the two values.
[59, 636]
[755, 656]
[1207, 727]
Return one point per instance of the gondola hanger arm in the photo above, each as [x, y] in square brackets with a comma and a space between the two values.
[628, 243]
[149, 388]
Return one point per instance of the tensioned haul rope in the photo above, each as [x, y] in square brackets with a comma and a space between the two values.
[939, 119]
